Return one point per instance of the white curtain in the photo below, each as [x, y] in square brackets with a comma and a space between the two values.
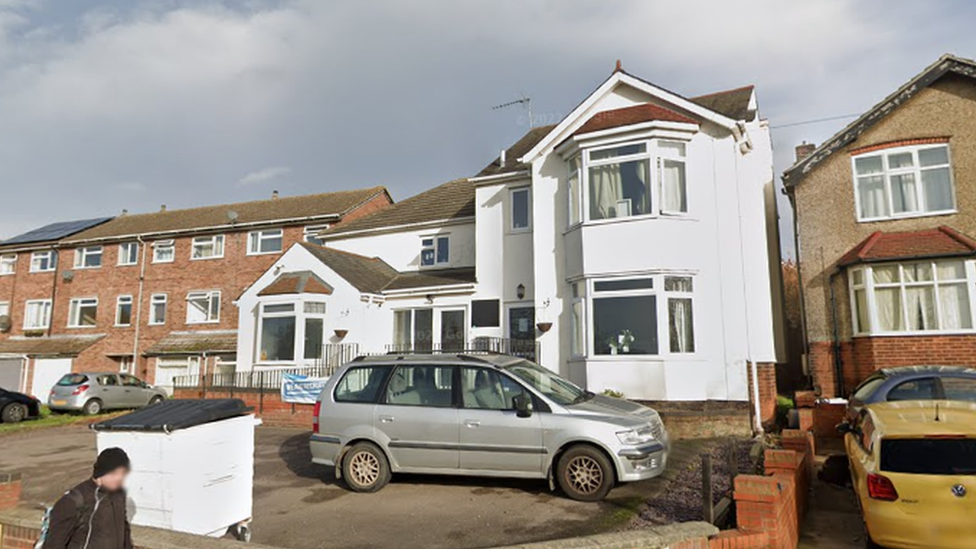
[675, 190]
[954, 305]
[903, 195]
[610, 185]
[888, 302]
[680, 325]
[871, 194]
[920, 304]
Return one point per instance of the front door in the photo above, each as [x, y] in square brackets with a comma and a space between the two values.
[521, 332]
[493, 437]
[418, 415]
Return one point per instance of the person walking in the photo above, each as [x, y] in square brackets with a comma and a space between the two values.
[92, 514]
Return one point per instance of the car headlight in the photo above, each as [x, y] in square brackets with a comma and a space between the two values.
[634, 437]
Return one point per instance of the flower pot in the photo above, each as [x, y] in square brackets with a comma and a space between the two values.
[341, 333]
[544, 326]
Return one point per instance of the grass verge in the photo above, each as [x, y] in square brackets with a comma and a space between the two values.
[46, 421]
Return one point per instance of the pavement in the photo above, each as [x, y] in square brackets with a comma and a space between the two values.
[299, 505]
[833, 519]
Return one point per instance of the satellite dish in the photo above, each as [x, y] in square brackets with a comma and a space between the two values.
[68, 276]
[5, 323]
[232, 216]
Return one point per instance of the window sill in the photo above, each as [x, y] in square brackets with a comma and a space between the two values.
[635, 218]
[206, 258]
[81, 327]
[86, 268]
[188, 323]
[907, 216]
[154, 262]
[7, 274]
[43, 272]
[156, 324]
[263, 253]
[121, 325]
[126, 264]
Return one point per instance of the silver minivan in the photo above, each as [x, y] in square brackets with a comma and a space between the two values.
[481, 415]
[95, 392]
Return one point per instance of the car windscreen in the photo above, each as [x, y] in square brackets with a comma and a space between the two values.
[929, 456]
[548, 383]
[70, 380]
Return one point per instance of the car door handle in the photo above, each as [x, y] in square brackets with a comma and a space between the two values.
[386, 419]
[472, 423]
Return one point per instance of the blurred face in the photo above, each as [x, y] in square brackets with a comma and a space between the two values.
[114, 481]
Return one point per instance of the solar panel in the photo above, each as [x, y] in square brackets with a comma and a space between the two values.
[55, 231]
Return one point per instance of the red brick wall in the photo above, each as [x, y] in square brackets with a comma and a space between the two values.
[767, 391]
[9, 491]
[268, 406]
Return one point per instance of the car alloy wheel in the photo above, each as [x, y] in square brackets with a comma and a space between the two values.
[585, 475]
[365, 468]
[93, 408]
[14, 413]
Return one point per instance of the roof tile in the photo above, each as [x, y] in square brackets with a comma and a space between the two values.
[627, 116]
[927, 243]
[452, 200]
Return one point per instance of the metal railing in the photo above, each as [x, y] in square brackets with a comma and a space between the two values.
[523, 348]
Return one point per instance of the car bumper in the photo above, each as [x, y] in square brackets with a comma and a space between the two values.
[893, 528]
[643, 462]
[66, 404]
[325, 449]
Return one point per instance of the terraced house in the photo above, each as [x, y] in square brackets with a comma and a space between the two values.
[885, 221]
[148, 294]
[631, 247]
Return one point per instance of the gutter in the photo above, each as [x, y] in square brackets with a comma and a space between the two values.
[500, 177]
[835, 337]
[138, 311]
[398, 228]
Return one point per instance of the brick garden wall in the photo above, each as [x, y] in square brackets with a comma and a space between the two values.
[267, 405]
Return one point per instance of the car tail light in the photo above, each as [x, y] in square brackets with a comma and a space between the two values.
[79, 390]
[315, 416]
[881, 488]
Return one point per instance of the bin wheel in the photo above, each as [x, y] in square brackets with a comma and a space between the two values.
[243, 533]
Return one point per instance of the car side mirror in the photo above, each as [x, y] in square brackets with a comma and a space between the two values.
[523, 405]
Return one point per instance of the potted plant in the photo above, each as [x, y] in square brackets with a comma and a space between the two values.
[625, 339]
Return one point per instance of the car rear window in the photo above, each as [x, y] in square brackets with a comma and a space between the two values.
[70, 380]
[361, 384]
[868, 388]
[929, 456]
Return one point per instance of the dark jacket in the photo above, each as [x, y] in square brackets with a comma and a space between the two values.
[88, 517]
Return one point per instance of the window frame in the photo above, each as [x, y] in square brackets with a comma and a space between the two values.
[119, 301]
[216, 242]
[301, 314]
[48, 304]
[4, 308]
[527, 189]
[258, 236]
[312, 230]
[434, 246]
[82, 254]
[436, 326]
[916, 169]
[8, 266]
[162, 245]
[868, 285]
[123, 259]
[154, 301]
[209, 295]
[75, 306]
[52, 261]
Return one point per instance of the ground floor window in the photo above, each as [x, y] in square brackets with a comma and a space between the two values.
[642, 316]
[928, 296]
[429, 329]
[291, 331]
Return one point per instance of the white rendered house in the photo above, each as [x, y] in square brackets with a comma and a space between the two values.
[630, 247]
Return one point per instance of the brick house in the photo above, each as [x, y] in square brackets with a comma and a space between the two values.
[885, 211]
[150, 294]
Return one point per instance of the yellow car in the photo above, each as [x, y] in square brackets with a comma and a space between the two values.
[913, 465]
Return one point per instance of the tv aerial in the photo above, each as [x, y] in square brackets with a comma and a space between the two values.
[525, 101]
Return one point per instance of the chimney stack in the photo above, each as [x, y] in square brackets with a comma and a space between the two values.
[274, 194]
[501, 158]
[804, 150]
[125, 212]
[162, 208]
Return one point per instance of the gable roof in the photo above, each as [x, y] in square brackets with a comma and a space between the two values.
[451, 201]
[927, 243]
[946, 64]
[290, 208]
[735, 103]
[54, 231]
[301, 282]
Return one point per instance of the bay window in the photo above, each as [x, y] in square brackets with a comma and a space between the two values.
[283, 325]
[903, 182]
[917, 297]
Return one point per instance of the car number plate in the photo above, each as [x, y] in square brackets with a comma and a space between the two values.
[59, 402]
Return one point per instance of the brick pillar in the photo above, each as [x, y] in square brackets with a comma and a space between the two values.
[767, 391]
[9, 490]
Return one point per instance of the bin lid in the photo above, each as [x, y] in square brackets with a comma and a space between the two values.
[173, 415]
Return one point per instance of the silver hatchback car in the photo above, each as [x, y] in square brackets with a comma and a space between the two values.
[95, 392]
[481, 415]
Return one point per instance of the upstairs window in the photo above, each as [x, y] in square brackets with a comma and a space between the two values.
[903, 182]
[203, 307]
[123, 310]
[43, 262]
[208, 247]
[37, 314]
[157, 310]
[88, 258]
[8, 264]
[435, 250]
[311, 233]
[265, 242]
[128, 253]
[164, 251]
[521, 209]
[674, 185]
[83, 312]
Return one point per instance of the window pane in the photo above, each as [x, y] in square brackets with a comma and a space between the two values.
[863, 319]
[903, 197]
[578, 319]
[858, 277]
[124, 316]
[918, 272]
[868, 165]
[619, 190]
[520, 209]
[886, 275]
[618, 151]
[278, 338]
[625, 325]
[452, 330]
[678, 284]
[279, 308]
[675, 187]
[951, 270]
[484, 389]
[421, 386]
[271, 243]
[900, 160]
[871, 194]
[423, 329]
[920, 305]
[671, 148]
[361, 384]
[681, 326]
[314, 337]
[888, 302]
[954, 307]
[314, 308]
[937, 156]
[574, 197]
[619, 285]
[443, 250]
[937, 187]
[402, 329]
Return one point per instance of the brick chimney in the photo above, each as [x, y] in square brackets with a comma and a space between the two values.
[804, 150]
[162, 208]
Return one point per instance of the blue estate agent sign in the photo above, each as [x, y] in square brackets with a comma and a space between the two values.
[299, 389]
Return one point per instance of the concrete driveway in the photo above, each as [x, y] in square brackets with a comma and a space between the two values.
[299, 505]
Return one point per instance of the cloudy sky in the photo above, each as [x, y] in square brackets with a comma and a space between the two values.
[106, 105]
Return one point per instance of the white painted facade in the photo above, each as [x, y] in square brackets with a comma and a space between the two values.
[716, 255]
